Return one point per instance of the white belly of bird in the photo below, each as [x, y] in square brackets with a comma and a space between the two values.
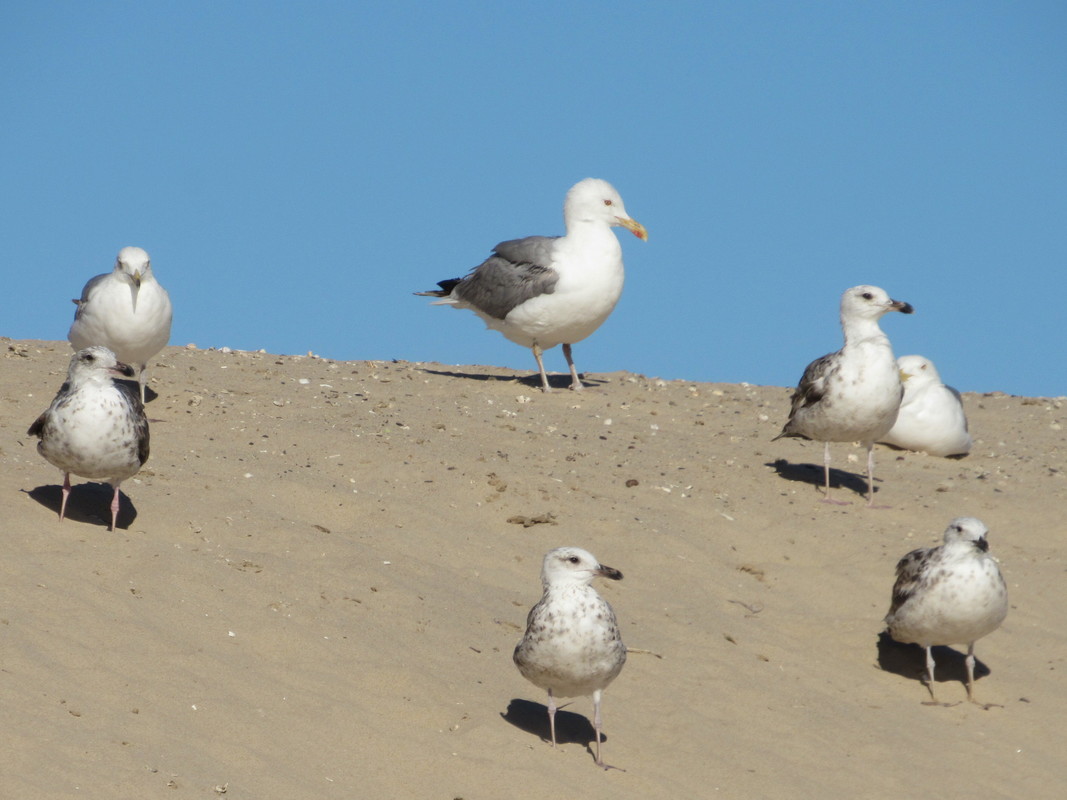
[133, 334]
[932, 422]
[862, 408]
[589, 286]
[965, 603]
[97, 440]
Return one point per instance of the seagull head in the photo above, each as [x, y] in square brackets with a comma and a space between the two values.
[596, 200]
[967, 529]
[870, 302]
[97, 363]
[573, 566]
[133, 263]
[917, 371]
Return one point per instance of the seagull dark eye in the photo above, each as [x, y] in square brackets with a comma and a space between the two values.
[608, 203]
[867, 296]
[89, 357]
[574, 559]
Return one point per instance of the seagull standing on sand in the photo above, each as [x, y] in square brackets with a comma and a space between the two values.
[572, 646]
[126, 311]
[931, 418]
[95, 427]
[852, 395]
[951, 594]
[542, 291]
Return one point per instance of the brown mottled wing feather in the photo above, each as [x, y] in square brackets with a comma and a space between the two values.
[37, 428]
[909, 576]
[140, 421]
[810, 390]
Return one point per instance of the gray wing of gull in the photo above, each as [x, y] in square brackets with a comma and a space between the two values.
[92, 284]
[517, 271]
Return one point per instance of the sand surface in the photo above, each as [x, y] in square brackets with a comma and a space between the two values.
[321, 572]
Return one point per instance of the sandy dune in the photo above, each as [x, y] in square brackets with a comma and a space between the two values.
[320, 575]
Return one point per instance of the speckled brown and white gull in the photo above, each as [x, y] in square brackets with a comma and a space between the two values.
[95, 427]
[572, 646]
[950, 594]
[852, 395]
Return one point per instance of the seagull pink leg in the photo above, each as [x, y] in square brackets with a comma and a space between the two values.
[115, 508]
[597, 725]
[826, 470]
[576, 384]
[66, 494]
[541, 366]
[552, 717]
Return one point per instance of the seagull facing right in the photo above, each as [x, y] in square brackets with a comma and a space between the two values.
[541, 291]
[931, 418]
[572, 646]
[950, 594]
[852, 395]
[95, 427]
[126, 311]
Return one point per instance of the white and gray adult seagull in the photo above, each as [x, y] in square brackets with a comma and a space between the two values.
[95, 427]
[547, 290]
[126, 311]
[950, 594]
[931, 418]
[852, 395]
[572, 646]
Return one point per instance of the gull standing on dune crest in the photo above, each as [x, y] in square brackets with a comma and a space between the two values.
[950, 594]
[931, 418]
[852, 395]
[572, 646]
[95, 427]
[547, 290]
[126, 311]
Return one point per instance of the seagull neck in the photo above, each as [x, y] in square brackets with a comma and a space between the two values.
[863, 330]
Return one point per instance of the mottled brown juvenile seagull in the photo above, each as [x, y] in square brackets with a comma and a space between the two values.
[950, 594]
[572, 646]
[95, 427]
[852, 395]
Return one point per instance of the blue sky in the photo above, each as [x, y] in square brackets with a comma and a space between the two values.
[297, 170]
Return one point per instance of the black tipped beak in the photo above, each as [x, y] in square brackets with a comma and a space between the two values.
[903, 308]
[610, 573]
[982, 545]
[123, 370]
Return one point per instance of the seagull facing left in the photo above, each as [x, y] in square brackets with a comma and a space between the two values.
[572, 646]
[95, 427]
[547, 290]
[126, 311]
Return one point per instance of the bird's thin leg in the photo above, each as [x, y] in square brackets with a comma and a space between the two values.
[597, 725]
[576, 384]
[933, 701]
[66, 494]
[552, 717]
[930, 678]
[142, 379]
[870, 474]
[115, 507]
[541, 366]
[826, 471]
[970, 680]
